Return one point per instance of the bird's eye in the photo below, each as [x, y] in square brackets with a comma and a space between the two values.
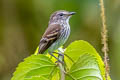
[61, 14]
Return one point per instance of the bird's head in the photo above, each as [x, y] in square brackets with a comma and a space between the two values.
[61, 16]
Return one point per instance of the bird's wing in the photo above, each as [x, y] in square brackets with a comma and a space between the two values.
[49, 37]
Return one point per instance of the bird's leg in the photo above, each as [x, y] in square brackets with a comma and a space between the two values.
[61, 55]
[56, 58]
[60, 52]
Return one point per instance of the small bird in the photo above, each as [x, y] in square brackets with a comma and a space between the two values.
[57, 32]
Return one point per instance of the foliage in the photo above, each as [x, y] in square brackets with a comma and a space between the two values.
[34, 67]
[81, 59]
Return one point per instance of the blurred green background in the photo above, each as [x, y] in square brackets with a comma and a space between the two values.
[22, 23]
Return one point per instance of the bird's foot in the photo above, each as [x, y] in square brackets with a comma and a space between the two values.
[59, 61]
[59, 53]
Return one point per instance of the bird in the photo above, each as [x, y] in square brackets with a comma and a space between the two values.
[57, 32]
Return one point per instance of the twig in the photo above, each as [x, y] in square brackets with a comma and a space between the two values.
[61, 65]
[62, 70]
[104, 39]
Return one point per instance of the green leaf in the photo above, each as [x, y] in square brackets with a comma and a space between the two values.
[35, 67]
[86, 64]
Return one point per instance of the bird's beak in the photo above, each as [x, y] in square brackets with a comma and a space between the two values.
[72, 13]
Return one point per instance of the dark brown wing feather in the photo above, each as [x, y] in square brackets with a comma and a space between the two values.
[49, 37]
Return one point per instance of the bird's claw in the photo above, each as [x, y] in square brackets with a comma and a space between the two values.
[59, 61]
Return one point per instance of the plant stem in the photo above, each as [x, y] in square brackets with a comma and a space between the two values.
[104, 39]
[61, 65]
